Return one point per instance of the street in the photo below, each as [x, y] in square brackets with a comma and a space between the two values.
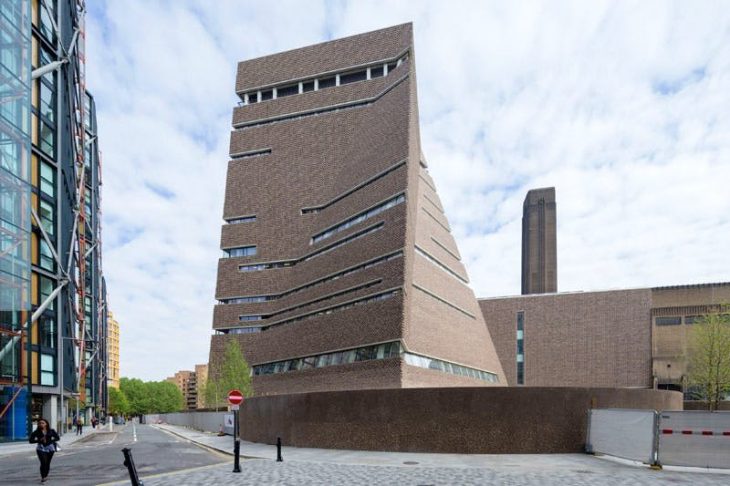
[99, 459]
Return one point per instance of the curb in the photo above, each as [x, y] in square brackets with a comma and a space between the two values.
[201, 445]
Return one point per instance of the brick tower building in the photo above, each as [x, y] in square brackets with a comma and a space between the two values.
[339, 268]
[539, 242]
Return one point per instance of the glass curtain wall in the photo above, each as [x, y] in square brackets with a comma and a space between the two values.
[15, 216]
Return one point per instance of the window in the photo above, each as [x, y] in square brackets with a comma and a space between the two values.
[46, 260]
[327, 82]
[253, 98]
[45, 290]
[47, 217]
[242, 219]
[46, 25]
[249, 318]
[242, 251]
[376, 72]
[391, 66]
[48, 377]
[47, 332]
[668, 321]
[287, 90]
[48, 138]
[358, 218]
[48, 101]
[446, 367]
[308, 86]
[521, 348]
[48, 177]
[692, 319]
[248, 300]
[368, 353]
[267, 95]
[353, 77]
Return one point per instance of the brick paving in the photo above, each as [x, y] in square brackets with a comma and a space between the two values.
[590, 470]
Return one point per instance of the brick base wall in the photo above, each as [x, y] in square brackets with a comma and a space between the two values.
[467, 420]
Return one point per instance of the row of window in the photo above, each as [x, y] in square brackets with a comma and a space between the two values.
[316, 283]
[241, 251]
[676, 320]
[358, 218]
[290, 263]
[366, 353]
[521, 348]
[311, 302]
[329, 310]
[447, 367]
[242, 219]
[249, 154]
[315, 84]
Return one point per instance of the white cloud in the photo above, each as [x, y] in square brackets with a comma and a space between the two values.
[621, 105]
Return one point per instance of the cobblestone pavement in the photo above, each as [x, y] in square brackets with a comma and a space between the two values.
[592, 471]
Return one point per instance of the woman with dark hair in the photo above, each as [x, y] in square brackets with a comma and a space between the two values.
[46, 439]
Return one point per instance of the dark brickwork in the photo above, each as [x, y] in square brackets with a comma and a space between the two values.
[323, 160]
[539, 242]
[464, 420]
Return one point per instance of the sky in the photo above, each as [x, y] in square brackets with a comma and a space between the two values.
[623, 106]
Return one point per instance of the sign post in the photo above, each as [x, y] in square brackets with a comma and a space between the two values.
[235, 398]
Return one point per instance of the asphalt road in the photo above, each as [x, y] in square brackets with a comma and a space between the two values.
[99, 459]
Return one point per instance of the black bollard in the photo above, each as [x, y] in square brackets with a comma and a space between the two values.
[129, 462]
[278, 450]
[236, 454]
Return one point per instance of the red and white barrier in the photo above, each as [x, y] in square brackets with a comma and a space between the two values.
[725, 433]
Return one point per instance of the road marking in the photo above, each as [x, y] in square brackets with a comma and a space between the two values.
[134, 432]
[164, 474]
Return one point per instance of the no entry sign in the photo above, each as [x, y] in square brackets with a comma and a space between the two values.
[235, 397]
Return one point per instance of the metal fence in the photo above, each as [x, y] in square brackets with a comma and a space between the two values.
[206, 421]
[693, 438]
[671, 438]
[623, 433]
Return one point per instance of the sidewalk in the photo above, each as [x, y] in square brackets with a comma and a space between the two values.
[251, 450]
[67, 439]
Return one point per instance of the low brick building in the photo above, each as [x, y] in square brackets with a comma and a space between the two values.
[615, 338]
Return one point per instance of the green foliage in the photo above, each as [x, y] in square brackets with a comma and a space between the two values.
[134, 390]
[118, 403]
[151, 396]
[233, 374]
[709, 356]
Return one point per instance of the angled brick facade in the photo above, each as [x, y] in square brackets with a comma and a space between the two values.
[355, 280]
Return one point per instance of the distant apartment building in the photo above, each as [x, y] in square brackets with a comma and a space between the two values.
[112, 344]
[339, 268]
[539, 242]
[201, 378]
[190, 384]
[52, 293]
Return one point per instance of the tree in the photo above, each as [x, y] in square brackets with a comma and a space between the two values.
[709, 356]
[118, 403]
[233, 374]
[164, 397]
[135, 391]
[151, 396]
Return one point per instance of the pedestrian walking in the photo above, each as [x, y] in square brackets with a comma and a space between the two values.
[80, 426]
[46, 439]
